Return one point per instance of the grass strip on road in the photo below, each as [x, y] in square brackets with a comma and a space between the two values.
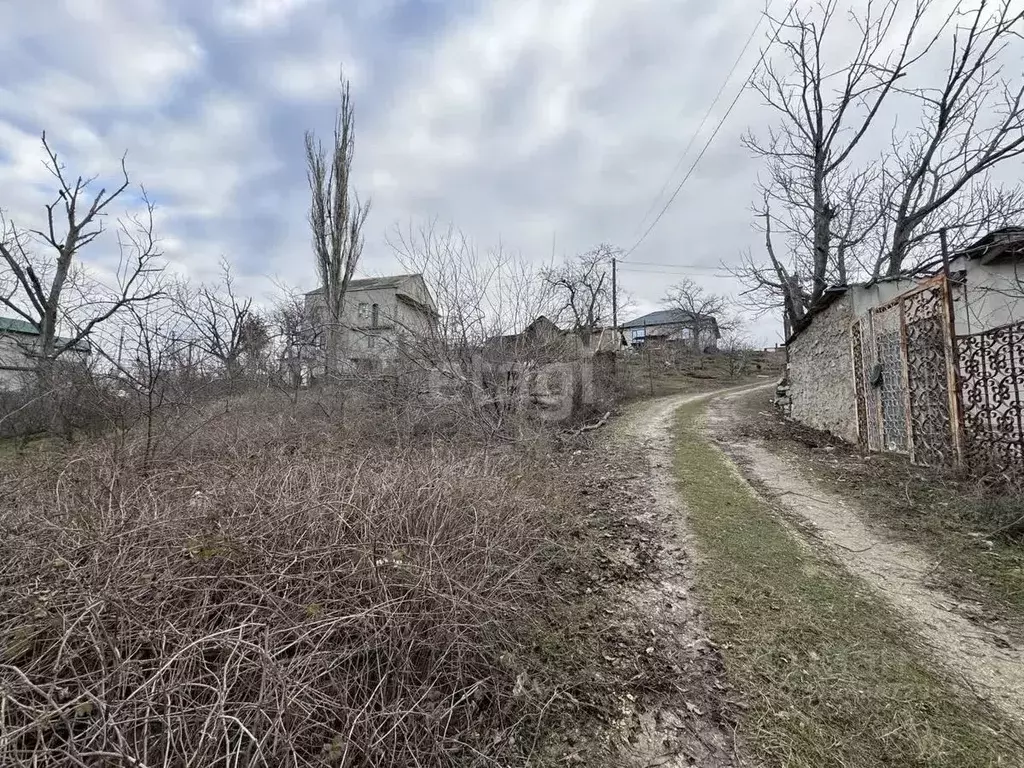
[829, 675]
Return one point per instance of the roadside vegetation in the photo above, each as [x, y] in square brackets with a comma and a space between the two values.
[267, 590]
[658, 373]
[277, 590]
[829, 676]
[973, 526]
[264, 584]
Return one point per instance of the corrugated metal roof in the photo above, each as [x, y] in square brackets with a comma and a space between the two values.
[662, 317]
[17, 325]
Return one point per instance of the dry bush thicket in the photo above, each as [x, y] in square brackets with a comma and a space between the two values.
[266, 590]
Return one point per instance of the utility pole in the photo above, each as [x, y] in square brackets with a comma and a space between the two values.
[615, 304]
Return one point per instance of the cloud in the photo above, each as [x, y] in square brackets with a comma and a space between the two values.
[97, 54]
[260, 15]
[542, 125]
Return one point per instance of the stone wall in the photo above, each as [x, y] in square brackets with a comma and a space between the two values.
[821, 373]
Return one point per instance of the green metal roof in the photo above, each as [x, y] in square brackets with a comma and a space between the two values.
[14, 325]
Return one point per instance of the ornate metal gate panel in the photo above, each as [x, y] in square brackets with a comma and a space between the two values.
[870, 417]
[992, 383]
[892, 389]
[926, 331]
[940, 398]
[903, 390]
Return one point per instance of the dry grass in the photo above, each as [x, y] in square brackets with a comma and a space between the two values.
[830, 675]
[663, 374]
[256, 594]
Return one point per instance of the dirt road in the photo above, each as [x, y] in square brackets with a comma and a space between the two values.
[699, 737]
[989, 666]
[987, 662]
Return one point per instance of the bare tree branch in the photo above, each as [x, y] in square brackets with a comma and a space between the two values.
[52, 291]
[582, 288]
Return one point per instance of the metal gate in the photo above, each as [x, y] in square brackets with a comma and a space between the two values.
[992, 383]
[903, 366]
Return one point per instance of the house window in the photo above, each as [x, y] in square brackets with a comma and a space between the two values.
[364, 310]
[371, 342]
[376, 315]
[639, 334]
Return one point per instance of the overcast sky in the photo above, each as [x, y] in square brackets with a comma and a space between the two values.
[543, 124]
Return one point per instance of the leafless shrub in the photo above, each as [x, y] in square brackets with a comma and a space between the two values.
[222, 325]
[476, 355]
[257, 598]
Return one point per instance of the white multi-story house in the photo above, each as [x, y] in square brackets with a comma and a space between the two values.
[382, 317]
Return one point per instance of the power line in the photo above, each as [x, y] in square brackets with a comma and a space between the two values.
[670, 269]
[714, 133]
[652, 273]
[707, 114]
[663, 264]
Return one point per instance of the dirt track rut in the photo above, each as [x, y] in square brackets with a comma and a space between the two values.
[990, 665]
[647, 429]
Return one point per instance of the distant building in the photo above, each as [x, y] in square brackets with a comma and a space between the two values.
[19, 341]
[701, 332]
[380, 319]
[544, 339]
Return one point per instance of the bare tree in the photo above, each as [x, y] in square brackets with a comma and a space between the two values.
[483, 298]
[701, 312]
[51, 290]
[736, 348]
[826, 109]
[336, 218]
[839, 222]
[149, 371]
[583, 290]
[937, 177]
[296, 338]
[216, 320]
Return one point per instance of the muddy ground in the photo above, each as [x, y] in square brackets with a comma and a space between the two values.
[684, 715]
[676, 707]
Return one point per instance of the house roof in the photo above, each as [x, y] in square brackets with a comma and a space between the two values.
[372, 283]
[541, 322]
[1007, 241]
[16, 325]
[667, 317]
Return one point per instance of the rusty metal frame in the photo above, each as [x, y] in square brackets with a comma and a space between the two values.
[905, 376]
[950, 354]
[859, 394]
[953, 383]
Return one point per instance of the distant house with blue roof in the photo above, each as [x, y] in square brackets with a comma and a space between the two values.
[18, 341]
[674, 326]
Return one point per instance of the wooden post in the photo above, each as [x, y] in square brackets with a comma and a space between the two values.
[956, 404]
[908, 412]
